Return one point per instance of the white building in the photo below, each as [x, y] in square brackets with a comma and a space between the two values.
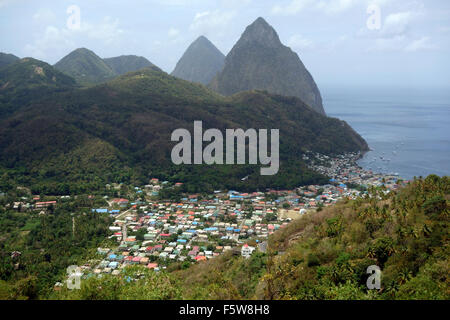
[246, 251]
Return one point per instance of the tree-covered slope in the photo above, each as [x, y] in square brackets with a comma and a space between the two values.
[7, 59]
[29, 79]
[127, 63]
[85, 67]
[405, 233]
[133, 116]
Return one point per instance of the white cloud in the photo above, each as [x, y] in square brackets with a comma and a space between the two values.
[292, 8]
[4, 3]
[44, 15]
[420, 44]
[207, 21]
[336, 6]
[397, 23]
[444, 30]
[396, 34]
[55, 42]
[179, 3]
[401, 43]
[299, 42]
[173, 32]
[396, 43]
[329, 7]
[107, 30]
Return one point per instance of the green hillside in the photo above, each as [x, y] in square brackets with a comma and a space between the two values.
[7, 59]
[124, 64]
[85, 67]
[131, 119]
[29, 79]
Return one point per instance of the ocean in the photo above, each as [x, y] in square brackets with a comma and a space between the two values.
[408, 130]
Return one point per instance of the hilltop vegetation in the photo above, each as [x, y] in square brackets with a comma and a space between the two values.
[7, 59]
[124, 64]
[77, 139]
[323, 255]
[85, 67]
[89, 69]
[28, 79]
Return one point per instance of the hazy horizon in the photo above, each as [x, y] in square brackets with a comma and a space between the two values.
[410, 48]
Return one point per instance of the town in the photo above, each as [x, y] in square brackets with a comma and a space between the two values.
[154, 232]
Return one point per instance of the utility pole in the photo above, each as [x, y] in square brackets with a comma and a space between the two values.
[124, 232]
[73, 227]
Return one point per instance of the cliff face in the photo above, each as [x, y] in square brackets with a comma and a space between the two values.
[260, 61]
[200, 63]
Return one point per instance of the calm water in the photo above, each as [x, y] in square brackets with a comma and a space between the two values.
[410, 128]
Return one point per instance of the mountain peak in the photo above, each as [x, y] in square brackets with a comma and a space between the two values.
[261, 32]
[7, 59]
[204, 42]
[85, 66]
[83, 51]
[259, 61]
[202, 39]
[200, 63]
[127, 63]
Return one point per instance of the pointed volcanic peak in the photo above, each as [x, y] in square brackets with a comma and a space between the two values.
[85, 66]
[127, 63]
[200, 63]
[259, 61]
[7, 59]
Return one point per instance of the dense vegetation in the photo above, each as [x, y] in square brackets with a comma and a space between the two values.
[85, 67]
[7, 59]
[47, 243]
[124, 64]
[88, 69]
[73, 140]
[405, 234]
[323, 255]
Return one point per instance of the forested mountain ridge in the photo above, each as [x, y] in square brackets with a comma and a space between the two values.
[85, 67]
[127, 63]
[120, 130]
[7, 59]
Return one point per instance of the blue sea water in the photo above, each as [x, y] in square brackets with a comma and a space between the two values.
[408, 128]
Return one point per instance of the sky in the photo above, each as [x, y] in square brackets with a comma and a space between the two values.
[341, 42]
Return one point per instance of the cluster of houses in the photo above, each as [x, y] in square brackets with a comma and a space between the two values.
[344, 170]
[157, 233]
